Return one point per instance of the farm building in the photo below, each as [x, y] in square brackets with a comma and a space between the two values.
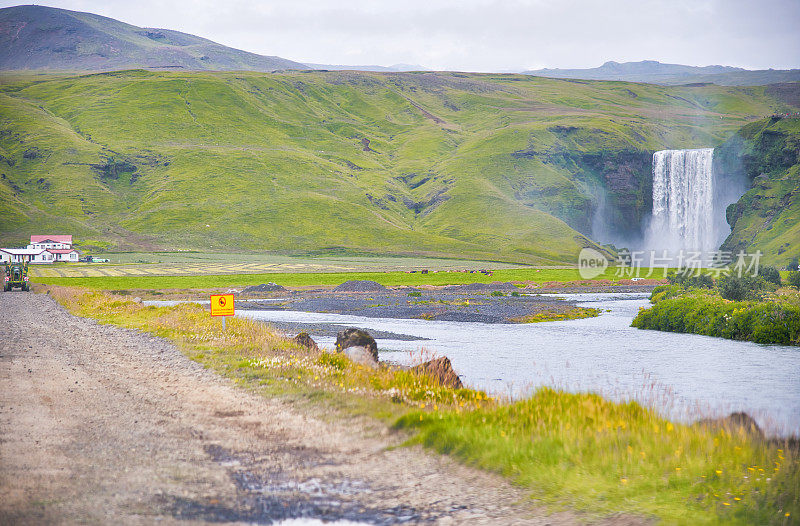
[42, 249]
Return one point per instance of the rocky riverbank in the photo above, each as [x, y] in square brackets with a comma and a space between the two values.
[477, 302]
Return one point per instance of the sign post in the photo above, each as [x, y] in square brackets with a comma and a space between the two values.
[222, 305]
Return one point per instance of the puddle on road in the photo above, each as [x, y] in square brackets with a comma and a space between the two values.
[278, 498]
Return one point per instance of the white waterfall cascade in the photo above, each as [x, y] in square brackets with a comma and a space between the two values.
[683, 201]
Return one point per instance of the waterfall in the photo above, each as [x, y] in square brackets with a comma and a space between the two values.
[683, 201]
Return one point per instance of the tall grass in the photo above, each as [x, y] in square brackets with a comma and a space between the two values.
[584, 451]
[574, 450]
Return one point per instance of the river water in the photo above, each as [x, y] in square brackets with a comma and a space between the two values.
[684, 376]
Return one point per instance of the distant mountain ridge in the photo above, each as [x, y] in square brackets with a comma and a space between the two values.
[394, 68]
[654, 72]
[46, 38]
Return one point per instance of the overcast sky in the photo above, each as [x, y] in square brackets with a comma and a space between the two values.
[482, 35]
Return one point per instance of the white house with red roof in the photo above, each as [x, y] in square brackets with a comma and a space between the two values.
[42, 249]
[58, 242]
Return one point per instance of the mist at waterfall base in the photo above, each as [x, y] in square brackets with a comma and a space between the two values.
[691, 193]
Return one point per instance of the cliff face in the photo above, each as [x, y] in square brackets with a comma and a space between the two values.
[627, 180]
[767, 217]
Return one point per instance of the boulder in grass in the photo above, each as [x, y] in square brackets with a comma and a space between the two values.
[304, 340]
[735, 423]
[353, 337]
[361, 355]
[441, 370]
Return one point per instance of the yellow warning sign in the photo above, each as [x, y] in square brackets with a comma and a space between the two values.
[222, 304]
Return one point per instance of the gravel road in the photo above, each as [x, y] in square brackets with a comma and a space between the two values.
[102, 425]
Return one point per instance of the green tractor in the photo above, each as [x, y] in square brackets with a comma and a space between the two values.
[16, 277]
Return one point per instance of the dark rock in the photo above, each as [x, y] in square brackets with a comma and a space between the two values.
[562, 130]
[264, 287]
[360, 286]
[735, 423]
[304, 340]
[380, 203]
[31, 153]
[113, 168]
[354, 337]
[361, 355]
[440, 370]
[352, 165]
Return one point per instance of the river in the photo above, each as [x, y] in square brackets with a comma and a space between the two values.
[684, 376]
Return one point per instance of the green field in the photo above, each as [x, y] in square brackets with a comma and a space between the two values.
[209, 263]
[306, 279]
[491, 167]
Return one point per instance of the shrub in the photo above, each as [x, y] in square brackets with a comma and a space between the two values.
[415, 294]
[740, 288]
[677, 278]
[686, 280]
[497, 293]
[794, 279]
[703, 281]
[663, 292]
[764, 322]
[770, 275]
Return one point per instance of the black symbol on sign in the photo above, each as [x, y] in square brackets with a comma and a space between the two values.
[222, 302]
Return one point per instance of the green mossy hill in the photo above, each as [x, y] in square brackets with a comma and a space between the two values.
[775, 320]
[482, 166]
[767, 217]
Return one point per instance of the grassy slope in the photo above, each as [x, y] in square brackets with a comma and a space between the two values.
[276, 162]
[767, 217]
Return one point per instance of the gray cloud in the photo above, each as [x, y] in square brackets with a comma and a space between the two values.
[483, 35]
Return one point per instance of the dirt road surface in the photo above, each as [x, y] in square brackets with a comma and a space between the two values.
[102, 425]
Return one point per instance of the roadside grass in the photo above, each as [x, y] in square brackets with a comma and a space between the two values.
[582, 451]
[325, 279]
[568, 450]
